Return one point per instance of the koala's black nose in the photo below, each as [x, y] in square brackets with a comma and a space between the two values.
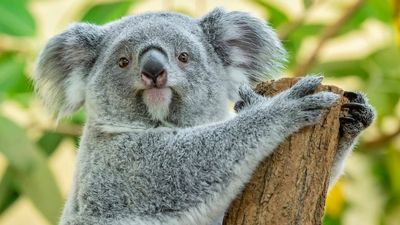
[152, 66]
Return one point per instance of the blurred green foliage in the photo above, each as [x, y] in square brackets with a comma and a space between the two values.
[28, 171]
[15, 19]
[106, 12]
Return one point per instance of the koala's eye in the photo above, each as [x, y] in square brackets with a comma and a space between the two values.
[183, 57]
[123, 62]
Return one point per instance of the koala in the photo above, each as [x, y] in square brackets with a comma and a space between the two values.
[159, 145]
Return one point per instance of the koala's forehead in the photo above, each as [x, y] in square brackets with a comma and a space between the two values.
[156, 26]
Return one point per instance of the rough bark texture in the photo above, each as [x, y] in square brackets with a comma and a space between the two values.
[290, 186]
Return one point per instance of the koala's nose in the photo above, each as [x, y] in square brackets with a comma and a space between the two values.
[152, 66]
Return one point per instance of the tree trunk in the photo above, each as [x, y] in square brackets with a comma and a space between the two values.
[290, 186]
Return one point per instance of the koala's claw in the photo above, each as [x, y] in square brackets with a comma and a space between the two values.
[354, 97]
[353, 105]
[361, 112]
[347, 120]
[349, 127]
[357, 116]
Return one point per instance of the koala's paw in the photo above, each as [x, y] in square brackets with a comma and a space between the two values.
[356, 115]
[301, 107]
[302, 88]
[291, 109]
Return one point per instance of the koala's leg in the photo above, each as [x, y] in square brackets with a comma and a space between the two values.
[198, 171]
[358, 116]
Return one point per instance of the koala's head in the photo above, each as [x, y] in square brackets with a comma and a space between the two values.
[157, 66]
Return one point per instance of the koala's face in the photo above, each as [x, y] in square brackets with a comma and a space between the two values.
[156, 67]
[161, 62]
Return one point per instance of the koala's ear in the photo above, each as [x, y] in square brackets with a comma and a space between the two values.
[63, 67]
[246, 45]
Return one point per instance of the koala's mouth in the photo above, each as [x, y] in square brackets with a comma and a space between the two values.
[157, 95]
[157, 101]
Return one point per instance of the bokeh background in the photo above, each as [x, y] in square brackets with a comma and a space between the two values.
[354, 43]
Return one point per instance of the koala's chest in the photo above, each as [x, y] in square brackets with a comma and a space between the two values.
[135, 179]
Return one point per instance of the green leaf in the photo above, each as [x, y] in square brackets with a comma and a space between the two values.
[15, 19]
[30, 170]
[307, 3]
[14, 82]
[23, 85]
[8, 191]
[276, 16]
[11, 72]
[106, 12]
[381, 10]
[49, 142]
[306, 30]
[79, 117]
[329, 220]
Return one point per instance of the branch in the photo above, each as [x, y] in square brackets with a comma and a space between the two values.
[328, 33]
[290, 186]
[21, 45]
[67, 130]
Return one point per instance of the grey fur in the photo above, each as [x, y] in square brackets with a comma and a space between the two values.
[74, 50]
[359, 115]
[185, 166]
[262, 52]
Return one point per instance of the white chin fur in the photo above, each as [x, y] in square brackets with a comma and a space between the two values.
[157, 101]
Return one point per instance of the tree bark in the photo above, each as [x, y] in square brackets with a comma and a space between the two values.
[290, 186]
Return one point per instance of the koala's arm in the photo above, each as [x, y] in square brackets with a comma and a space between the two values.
[360, 114]
[205, 167]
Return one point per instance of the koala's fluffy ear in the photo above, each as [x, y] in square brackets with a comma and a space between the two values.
[63, 67]
[248, 47]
